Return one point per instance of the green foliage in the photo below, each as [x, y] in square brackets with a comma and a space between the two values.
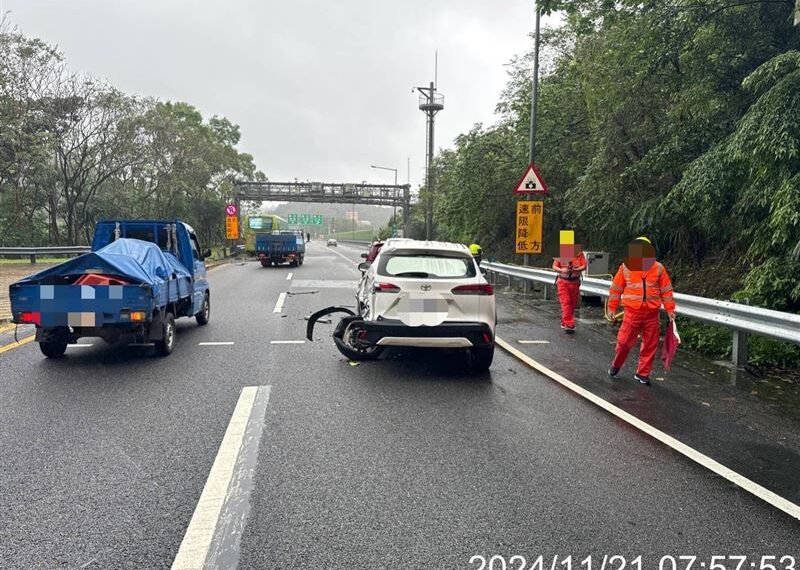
[74, 150]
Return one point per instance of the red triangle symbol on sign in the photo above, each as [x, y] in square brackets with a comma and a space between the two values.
[531, 182]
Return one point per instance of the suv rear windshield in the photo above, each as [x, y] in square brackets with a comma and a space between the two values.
[426, 265]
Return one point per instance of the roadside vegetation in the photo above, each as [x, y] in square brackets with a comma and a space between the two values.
[675, 119]
[74, 149]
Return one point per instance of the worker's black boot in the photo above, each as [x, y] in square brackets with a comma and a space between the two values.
[613, 372]
[642, 379]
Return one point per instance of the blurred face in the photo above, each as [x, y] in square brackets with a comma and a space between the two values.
[567, 252]
[641, 257]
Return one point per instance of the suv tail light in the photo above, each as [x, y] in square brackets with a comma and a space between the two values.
[484, 289]
[385, 288]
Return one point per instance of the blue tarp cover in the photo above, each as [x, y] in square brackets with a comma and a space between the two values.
[135, 260]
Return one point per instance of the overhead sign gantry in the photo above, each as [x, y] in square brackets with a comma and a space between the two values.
[329, 193]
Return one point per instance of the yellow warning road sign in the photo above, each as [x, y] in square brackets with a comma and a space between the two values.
[529, 227]
[232, 227]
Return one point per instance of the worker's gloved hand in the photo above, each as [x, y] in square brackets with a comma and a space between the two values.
[671, 315]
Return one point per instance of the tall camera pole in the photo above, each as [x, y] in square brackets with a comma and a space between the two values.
[430, 102]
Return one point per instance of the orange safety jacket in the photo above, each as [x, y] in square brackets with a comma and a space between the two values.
[641, 289]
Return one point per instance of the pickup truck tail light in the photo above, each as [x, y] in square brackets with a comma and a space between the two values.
[33, 317]
[134, 316]
[481, 289]
[385, 288]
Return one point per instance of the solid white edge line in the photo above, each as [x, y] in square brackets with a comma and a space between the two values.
[289, 276]
[765, 494]
[287, 342]
[200, 532]
[279, 304]
[226, 343]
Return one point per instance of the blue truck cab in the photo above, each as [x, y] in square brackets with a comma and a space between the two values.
[140, 276]
[286, 246]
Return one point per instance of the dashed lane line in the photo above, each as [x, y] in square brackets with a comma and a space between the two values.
[289, 276]
[287, 342]
[740, 480]
[279, 304]
[214, 532]
[219, 343]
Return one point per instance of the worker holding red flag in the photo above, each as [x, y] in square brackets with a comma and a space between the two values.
[643, 286]
[570, 263]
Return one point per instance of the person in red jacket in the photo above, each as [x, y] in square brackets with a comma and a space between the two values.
[569, 264]
[643, 286]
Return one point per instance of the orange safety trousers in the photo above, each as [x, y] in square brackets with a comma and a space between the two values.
[644, 321]
[569, 293]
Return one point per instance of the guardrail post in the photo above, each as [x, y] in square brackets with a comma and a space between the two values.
[544, 292]
[739, 350]
[33, 258]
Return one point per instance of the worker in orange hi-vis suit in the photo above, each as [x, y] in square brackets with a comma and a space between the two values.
[569, 265]
[642, 285]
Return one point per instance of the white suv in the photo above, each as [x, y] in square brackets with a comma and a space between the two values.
[422, 294]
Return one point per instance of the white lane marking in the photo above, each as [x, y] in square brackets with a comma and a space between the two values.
[200, 532]
[324, 284]
[534, 342]
[765, 494]
[343, 256]
[289, 276]
[279, 305]
[287, 342]
[77, 345]
[226, 343]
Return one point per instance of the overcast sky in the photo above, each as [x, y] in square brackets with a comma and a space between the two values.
[320, 89]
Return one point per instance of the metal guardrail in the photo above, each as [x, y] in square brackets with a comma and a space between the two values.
[742, 319]
[32, 252]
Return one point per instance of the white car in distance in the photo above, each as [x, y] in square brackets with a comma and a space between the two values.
[424, 294]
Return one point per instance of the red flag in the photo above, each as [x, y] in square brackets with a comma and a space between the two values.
[671, 341]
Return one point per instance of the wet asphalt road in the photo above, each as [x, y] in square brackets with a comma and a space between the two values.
[406, 462]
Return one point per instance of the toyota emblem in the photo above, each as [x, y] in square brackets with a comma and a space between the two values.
[425, 287]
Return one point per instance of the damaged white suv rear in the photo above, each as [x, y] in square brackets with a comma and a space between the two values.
[419, 294]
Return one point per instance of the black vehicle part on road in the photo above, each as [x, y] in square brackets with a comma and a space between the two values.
[349, 336]
[321, 313]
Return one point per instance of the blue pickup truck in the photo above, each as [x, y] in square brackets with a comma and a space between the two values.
[287, 246]
[140, 276]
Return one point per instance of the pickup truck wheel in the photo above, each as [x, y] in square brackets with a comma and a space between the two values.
[480, 358]
[205, 313]
[53, 349]
[264, 263]
[167, 343]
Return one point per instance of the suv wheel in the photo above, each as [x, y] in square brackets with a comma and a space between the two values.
[480, 358]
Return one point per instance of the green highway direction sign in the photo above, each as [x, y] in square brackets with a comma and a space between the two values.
[304, 219]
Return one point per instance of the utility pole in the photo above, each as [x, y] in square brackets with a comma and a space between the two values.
[430, 103]
[797, 12]
[394, 214]
[534, 105]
